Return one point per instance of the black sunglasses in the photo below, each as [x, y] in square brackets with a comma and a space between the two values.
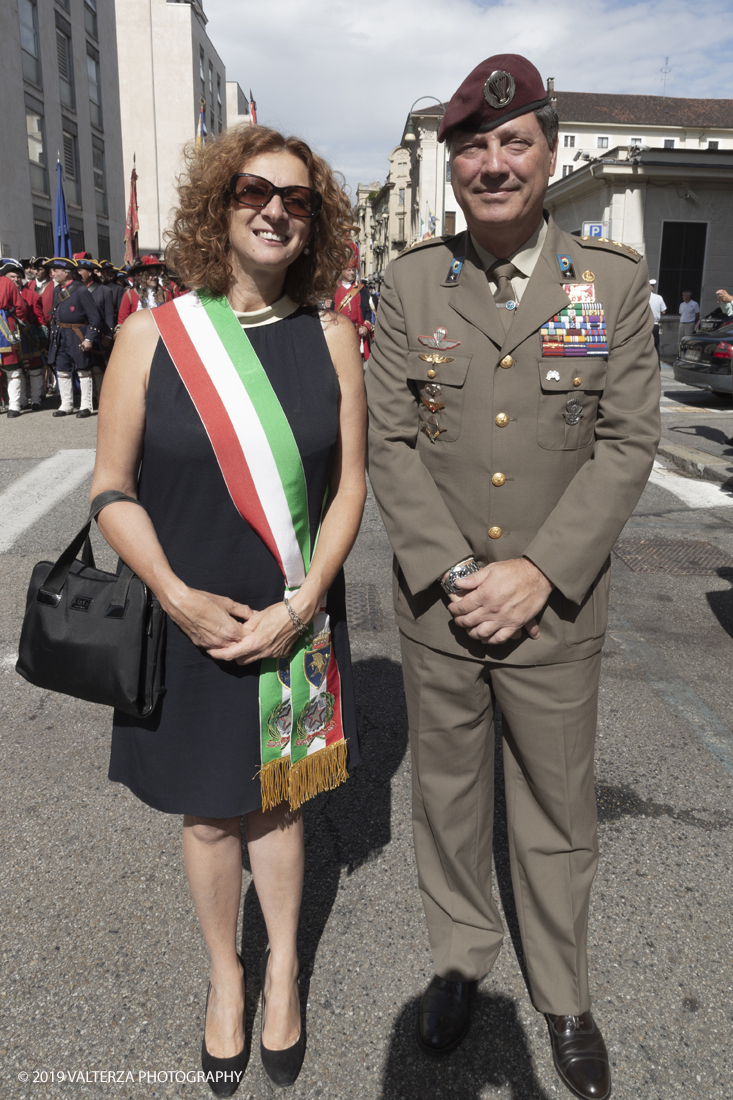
[257, 192]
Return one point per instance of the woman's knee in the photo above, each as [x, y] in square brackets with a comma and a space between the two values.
[212, 830]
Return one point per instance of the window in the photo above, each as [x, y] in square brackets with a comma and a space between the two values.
[713, 145]
[202, 72]
[450, 222]
[401, 198]
[634, 141]
[400, 238]
[402, 168]
[211, 123]
[669, 143]
[211, 87]
[64, 4]
[218, 97]
[71, 168]
[44, 235]
[100, 180]
[28, 16]
[103, 249]
[90, 17]
[567, 169]
[77, 238]
[36, 154]
[681, 261]
[66, 68]
[603, 143]
[569, 141]
[95, 87]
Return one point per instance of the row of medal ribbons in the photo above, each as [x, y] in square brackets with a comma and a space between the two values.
[579, 329]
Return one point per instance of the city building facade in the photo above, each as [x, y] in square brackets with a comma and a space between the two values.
[592, 123]
[168, 71]
[237, 106]
[59, 66]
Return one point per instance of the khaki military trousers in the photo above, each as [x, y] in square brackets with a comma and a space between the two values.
[548, 726]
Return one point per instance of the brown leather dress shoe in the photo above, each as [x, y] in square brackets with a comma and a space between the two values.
[444, 1015]
[580, 1055]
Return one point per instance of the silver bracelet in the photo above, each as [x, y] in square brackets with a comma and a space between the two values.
[300, 626]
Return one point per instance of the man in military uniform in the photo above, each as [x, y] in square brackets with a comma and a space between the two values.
[108, 275]
[75, 324]
[506, 359]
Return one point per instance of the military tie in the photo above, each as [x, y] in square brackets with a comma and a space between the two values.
[503, 271]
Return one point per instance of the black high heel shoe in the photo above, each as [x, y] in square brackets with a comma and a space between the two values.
[281, 1066]
[224, 1074]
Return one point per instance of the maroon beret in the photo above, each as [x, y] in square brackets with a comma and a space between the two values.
[502, 87]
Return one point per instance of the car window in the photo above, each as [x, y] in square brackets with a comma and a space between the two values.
[727, 329]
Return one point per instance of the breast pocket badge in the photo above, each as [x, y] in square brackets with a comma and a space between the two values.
[573, 412]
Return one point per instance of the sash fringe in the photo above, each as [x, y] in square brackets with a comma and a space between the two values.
[322, 771]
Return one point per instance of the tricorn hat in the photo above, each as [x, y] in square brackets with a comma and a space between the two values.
[61, 261]
[502, 87]
[144, 261]
[12, 265]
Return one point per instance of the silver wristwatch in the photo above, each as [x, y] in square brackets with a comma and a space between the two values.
[463, 569]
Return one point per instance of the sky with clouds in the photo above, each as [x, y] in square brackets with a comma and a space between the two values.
[343, 76]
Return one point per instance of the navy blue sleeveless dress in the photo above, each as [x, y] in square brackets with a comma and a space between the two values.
[199, 752]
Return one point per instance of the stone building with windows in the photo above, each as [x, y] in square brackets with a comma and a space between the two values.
[674, 206]
[592, 123]
[59, 64]
[382, 213]
[168, 70]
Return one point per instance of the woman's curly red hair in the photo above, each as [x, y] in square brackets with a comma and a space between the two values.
[198, 242]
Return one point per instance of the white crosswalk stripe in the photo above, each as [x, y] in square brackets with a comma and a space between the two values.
[691, 491]
[35, 493]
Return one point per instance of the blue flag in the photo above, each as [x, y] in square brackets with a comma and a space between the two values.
[62, 238]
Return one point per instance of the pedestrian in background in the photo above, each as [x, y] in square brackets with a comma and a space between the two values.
[513, 420]
[725, 302]
[658, 307]
[689, 312]
[352, 300]
[244, 405]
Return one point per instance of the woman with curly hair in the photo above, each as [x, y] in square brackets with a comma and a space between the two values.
[235, 416]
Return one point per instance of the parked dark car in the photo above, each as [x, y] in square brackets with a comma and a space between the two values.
[704, 360]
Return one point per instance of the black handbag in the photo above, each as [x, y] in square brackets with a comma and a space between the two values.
[94, 635]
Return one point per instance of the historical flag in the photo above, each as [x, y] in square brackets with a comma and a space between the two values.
[201, 128]
[132, 224]
[252, 110]
[62, 236]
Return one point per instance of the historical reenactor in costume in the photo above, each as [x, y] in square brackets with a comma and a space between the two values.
[514, 418]
[109, 275]
[13, 310]
[33, 339]
[147, 291]
[352, 299]
[89, 273]
[75, 324]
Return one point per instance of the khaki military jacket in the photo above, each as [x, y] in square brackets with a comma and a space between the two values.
[536, 455]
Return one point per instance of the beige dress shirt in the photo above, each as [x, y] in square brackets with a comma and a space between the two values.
[524, 259]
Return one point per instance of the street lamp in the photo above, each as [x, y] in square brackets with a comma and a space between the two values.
[410, 129]
[409, 137]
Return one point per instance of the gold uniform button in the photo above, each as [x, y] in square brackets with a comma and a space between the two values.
[494, 532]
[507, 361]
[577, 381]
[431, 374]
[498, 479]
[501, 420]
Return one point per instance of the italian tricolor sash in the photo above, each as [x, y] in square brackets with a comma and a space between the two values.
[303, 749]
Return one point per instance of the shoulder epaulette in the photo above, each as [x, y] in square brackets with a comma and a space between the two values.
[610, 246]
[422, 244]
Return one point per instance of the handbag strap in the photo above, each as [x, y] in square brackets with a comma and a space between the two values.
[50, 591]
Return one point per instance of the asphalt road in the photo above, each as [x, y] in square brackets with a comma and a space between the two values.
[696, 418]
[104, 969]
